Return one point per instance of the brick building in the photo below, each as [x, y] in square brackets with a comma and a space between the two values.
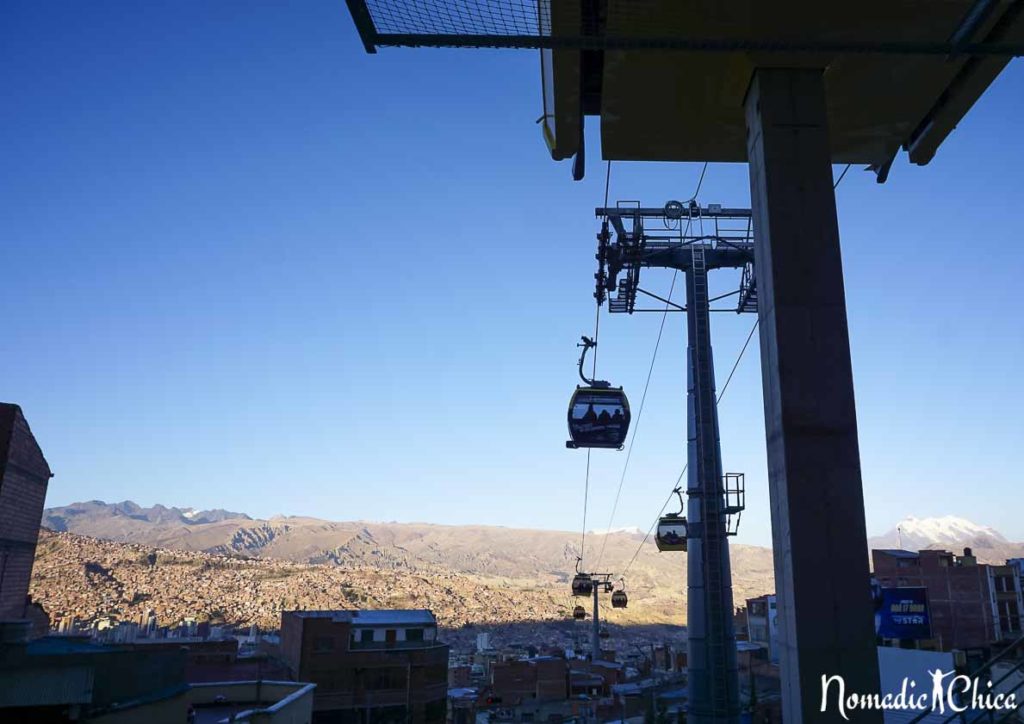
[540, 679]
[970, 605]
[24, 476]
[370, 667]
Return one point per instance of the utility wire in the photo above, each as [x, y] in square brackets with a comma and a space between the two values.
[654, 357]
[664, 505]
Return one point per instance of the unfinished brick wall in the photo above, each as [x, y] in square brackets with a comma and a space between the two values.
[24, 476]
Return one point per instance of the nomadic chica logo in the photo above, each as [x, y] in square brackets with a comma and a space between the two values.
[950, 693]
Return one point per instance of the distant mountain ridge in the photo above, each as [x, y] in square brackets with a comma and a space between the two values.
[529, 560]
[68, 517]
[522, 557]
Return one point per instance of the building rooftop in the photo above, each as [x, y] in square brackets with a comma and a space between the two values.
[63, 645]
[898, 553]
[396, 617]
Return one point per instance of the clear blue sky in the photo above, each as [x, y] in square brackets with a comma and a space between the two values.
[246, 265]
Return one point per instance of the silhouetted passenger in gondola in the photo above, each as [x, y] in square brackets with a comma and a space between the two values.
[590, 415]
[604, 418]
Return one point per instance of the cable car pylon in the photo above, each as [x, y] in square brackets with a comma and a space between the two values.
[593, 585]
[714, 500]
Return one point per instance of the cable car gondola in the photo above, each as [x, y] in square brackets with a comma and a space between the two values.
[579, 613]
[619, 599]
[582, 585]
[672, 529]
[604, 633]
[598, 413]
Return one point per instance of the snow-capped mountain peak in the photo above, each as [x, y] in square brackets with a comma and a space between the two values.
[948, 532]
[628, 530]
[945, 529]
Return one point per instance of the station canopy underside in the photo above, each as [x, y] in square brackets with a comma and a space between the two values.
[668, 78]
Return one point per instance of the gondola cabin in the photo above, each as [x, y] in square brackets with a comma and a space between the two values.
[579, 613]
[598, 417]
[619, 599]
[671, 535]
[582, 585]
[604, 633]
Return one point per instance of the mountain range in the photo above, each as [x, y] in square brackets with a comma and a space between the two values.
[502, 560]
[474, 549]
[507, 558]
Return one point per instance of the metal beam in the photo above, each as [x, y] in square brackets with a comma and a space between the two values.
[679, 256]
[656, 212]
[364, 24]
[704, 45]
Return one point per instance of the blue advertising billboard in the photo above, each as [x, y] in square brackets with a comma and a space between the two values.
[903, 614]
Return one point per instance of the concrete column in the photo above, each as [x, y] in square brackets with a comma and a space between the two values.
[825, 613]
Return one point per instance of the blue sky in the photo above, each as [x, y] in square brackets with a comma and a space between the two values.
[248, 266]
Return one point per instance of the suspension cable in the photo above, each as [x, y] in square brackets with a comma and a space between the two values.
[721, 394]
[593, 376]
[586, 495]
[841, 176]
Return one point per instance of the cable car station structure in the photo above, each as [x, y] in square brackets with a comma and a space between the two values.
[788, 87]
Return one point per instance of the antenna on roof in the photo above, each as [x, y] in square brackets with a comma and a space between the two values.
[899, 537]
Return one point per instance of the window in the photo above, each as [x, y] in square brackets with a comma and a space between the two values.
[391, 635]
[366, 636]
[414, 634]
[323, 644]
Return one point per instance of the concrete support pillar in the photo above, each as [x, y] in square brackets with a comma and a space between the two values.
[825, 613]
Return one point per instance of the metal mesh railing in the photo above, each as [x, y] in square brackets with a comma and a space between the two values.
[600, 24]
[459, 17]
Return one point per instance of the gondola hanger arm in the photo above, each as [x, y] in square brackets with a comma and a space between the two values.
[587, 344]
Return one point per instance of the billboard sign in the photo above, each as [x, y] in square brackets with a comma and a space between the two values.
[903, 614]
